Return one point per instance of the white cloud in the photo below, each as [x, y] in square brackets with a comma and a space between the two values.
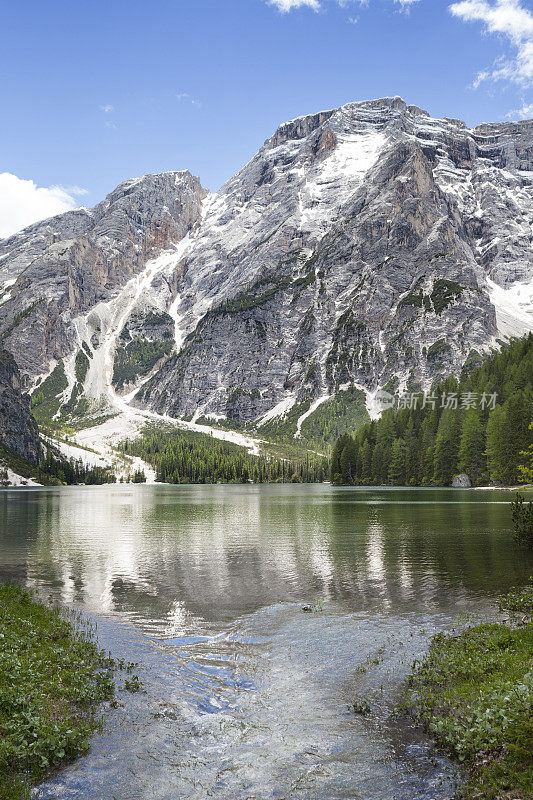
[524, 112]
[288, 5]
[22, 202]
[508, 18]
[107, 109]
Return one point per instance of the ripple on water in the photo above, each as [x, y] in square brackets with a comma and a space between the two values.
[261, 710]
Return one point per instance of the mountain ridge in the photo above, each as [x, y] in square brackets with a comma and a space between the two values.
[368, 246]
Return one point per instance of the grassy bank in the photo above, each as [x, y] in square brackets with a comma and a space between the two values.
[52, 679]
[474, 693]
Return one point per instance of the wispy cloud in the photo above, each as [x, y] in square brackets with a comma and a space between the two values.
[510, 19]
[22, 202]
[288, 5]
[185, 97]
[107, 108]
[316, 5]
[406, 4]
[524, 112]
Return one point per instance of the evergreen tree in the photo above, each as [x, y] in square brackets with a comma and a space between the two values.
[397, 469]
[496, 446]
[446, 449]
[472, 459]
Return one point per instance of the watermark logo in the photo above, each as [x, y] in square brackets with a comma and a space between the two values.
[384, 400]
[462, 401]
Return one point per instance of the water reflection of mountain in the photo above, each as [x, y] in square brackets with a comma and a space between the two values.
[215, 553]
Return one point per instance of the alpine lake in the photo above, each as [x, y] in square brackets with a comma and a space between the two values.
[258, 616]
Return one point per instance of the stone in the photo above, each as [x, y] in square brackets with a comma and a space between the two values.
[461, 481]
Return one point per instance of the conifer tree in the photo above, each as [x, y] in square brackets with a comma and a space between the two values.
[472, 459]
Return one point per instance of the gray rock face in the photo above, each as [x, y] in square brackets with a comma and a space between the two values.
[68, 264]
[18, 429]
[359, 245]
[356, 246]
[461, 482]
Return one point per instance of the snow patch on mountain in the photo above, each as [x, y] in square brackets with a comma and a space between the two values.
[311, 410]
[514, 308]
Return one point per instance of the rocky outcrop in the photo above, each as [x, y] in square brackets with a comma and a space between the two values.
[18, 429]
[360, 246]
[461, 481]
[65, 266]
[368, 246]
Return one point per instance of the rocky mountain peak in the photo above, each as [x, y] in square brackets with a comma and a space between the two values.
[366, 246]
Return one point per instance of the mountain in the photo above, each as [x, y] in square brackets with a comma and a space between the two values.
[18, 430]
[369, 246]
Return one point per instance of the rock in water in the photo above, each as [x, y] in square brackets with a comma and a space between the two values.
[461, 482]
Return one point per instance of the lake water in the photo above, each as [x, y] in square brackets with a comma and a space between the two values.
[247, 695]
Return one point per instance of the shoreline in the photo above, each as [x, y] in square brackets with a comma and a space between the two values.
[473, 693]
[50, 704]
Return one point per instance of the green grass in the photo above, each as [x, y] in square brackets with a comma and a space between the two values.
[136, 359]
[46, 399]
[474, 694]
[52, 679]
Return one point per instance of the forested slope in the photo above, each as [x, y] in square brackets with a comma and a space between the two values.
[479, 425]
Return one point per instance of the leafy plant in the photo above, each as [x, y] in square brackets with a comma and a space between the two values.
[53, 678]
[474, 693]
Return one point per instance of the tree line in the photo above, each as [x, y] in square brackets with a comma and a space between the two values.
[189, 457]
[73, 471]
[479, 425]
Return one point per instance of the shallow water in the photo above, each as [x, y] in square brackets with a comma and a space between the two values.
[248, 695]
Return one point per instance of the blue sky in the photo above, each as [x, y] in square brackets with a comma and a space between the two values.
[94, 93]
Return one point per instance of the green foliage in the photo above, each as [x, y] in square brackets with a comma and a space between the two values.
[46, 399]
[52, 678]
[190, 457]
[26, 469]
[429, 445]
[283, 429]
[81, 366]
[361, 707]
[519, 602]
[56, 470]
[474, 693]
[415, 299]
[346, 411]
[137, 358]
[526, 469]
[523, 521]
[472, 447]
[438, 350]
[444, 294]
[154, 319]
[72, 471]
